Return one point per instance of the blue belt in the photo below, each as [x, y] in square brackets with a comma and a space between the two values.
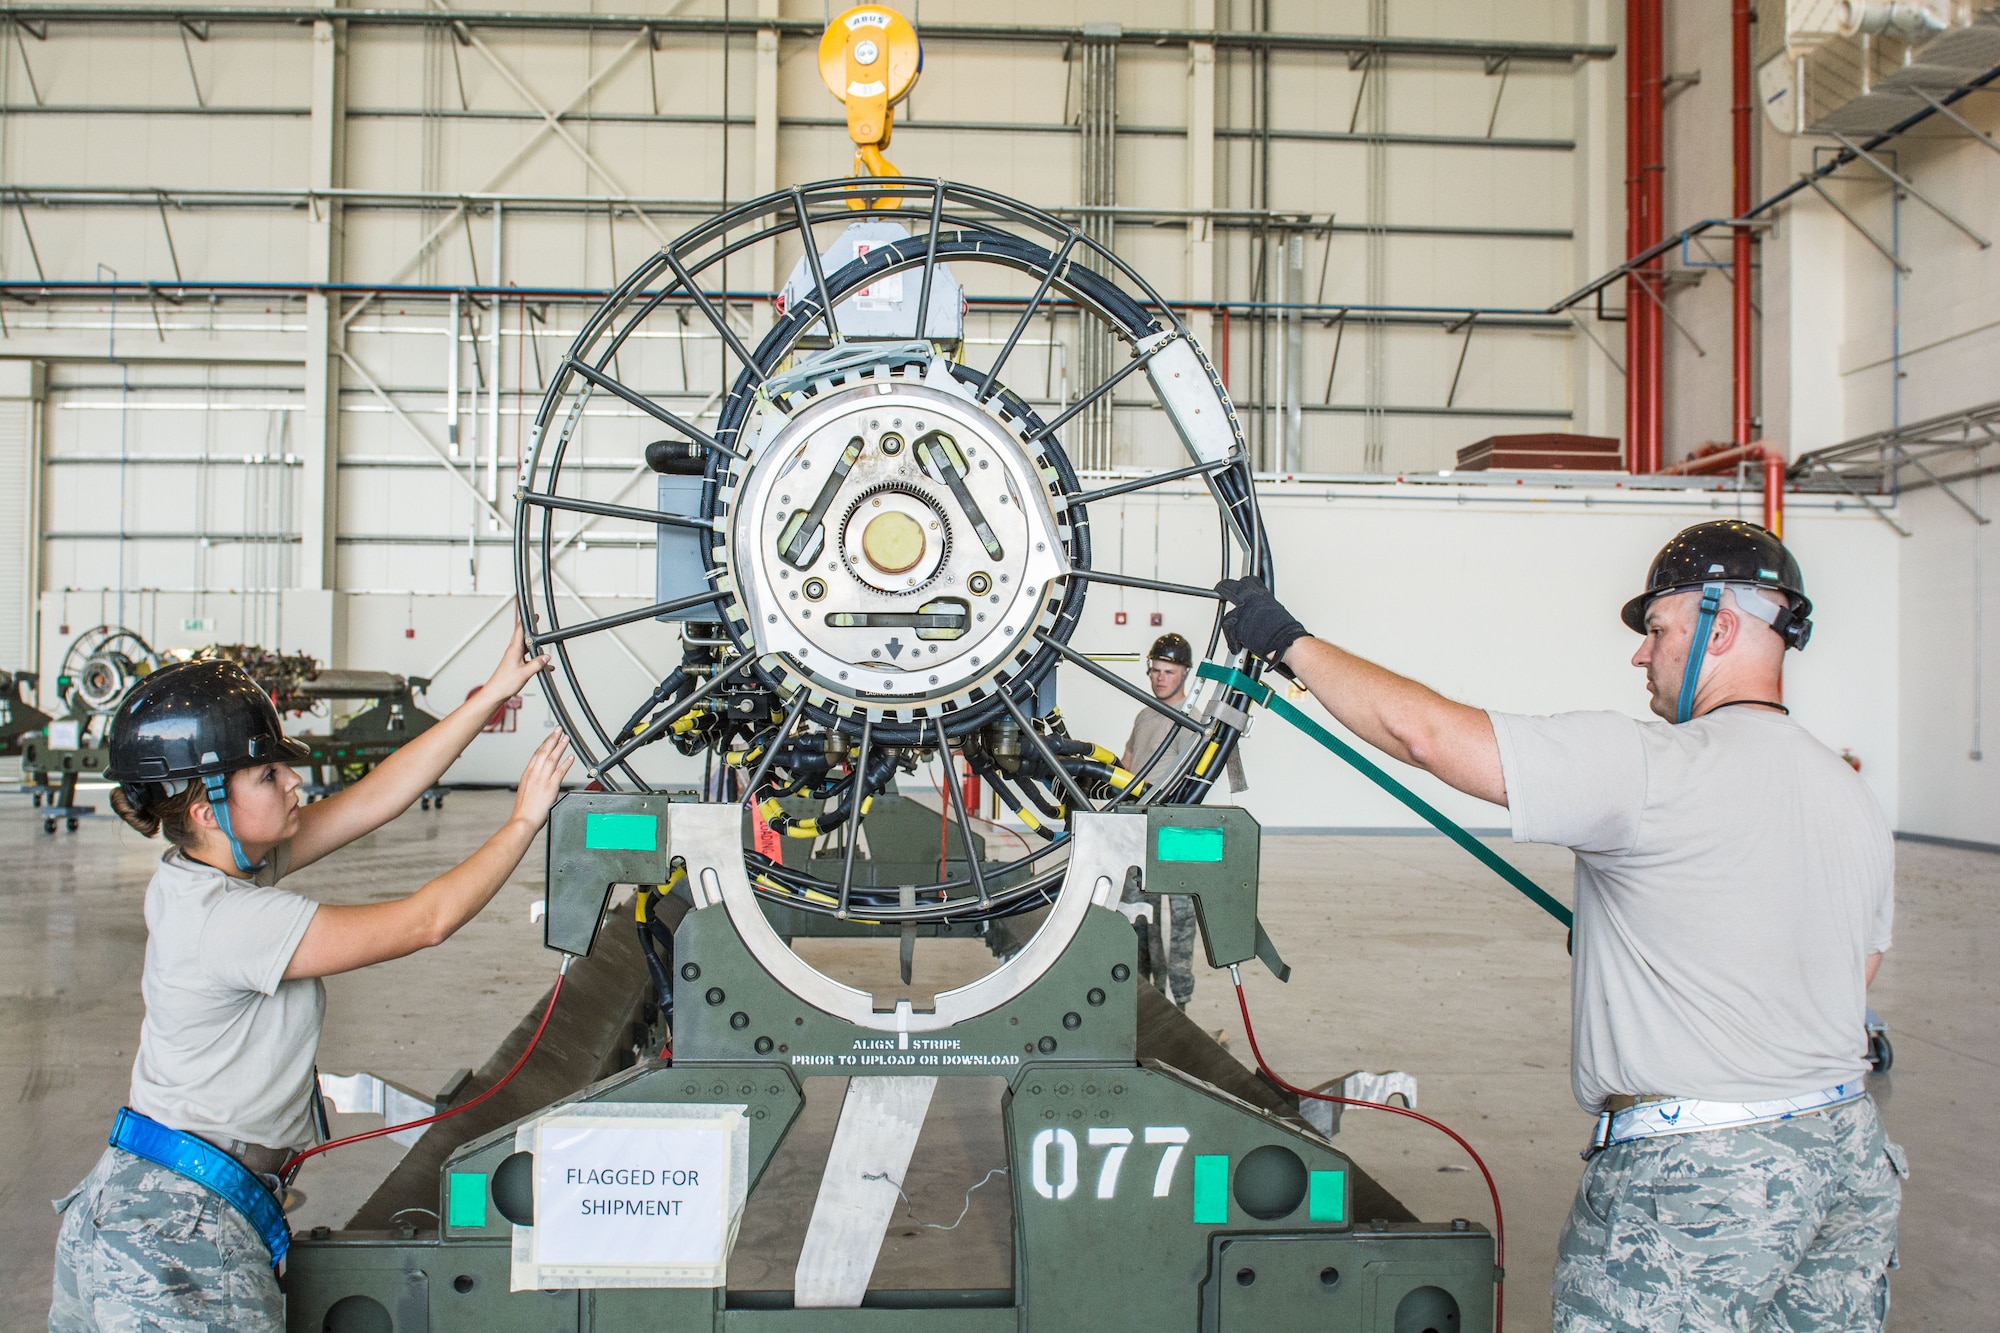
[206, 1164]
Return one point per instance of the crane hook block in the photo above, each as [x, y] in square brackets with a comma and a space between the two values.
[870, 59]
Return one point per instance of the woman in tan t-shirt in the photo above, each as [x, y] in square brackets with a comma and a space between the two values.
[223, 1075]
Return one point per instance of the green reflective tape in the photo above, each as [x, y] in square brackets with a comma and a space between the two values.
[1326, 1196]
[1188, 844]
[465, 1199]
[610, 831]
[1211, 1191]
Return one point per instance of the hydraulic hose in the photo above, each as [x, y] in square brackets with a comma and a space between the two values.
[809, 826]
[1050, 809]
[881, 770]
[656, 939]
[663, 986]
[669, 688]
[990, 775]
[1100, 781]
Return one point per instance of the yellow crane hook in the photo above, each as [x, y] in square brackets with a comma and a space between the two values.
[869, 58]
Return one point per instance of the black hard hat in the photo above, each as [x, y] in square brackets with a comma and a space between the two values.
[194, 719]
[1728, 551]
[1171, 647]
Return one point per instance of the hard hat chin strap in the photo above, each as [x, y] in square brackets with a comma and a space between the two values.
[1711, 602]
[216, 785]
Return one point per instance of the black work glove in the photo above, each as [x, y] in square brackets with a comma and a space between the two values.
[1256, 622]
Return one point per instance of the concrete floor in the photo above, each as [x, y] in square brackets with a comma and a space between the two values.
[1406, 955]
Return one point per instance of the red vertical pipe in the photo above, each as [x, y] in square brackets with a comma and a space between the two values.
[1740, 111]
[1652, 182]
[1644, 199]
[1635, 339]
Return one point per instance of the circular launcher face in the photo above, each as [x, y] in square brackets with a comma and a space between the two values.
[893, 541]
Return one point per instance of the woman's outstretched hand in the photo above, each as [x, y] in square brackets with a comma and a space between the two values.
[516, 668]
[541, 780]
[341, 938]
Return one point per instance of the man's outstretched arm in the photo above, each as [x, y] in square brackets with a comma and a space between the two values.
[1402, 718]
[1399, 716]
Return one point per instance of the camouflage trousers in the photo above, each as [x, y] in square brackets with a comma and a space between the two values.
[1782, 1226]
[146, 1249]
[1166, 947]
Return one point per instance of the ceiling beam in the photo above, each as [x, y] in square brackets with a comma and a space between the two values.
[1449, 48]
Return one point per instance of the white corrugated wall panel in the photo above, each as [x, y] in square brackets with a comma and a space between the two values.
[20, 420]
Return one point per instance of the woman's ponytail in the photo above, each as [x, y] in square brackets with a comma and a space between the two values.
[173, 816]
[145, 821]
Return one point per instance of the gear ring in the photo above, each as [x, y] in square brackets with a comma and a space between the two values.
[943, 545]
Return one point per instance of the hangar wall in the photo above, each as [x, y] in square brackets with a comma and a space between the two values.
[296, 287]
[1913, 346]
[1851, 342]
[1949, 633]
[275, 460]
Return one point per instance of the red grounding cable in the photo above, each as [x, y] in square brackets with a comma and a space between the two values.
[285, 1172]
[1499, 1222]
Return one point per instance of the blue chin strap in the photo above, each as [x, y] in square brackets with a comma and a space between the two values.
[216, 786]
[1711, 602]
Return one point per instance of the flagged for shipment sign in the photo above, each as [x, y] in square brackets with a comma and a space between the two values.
[633, 1196]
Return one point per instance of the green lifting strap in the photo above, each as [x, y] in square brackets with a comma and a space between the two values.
[1264, 695]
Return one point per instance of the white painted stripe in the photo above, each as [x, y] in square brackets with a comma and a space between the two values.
[879, 1124]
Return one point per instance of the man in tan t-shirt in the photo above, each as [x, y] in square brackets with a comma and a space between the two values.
[1167, 667]
[1166, 947]
[1734, 897]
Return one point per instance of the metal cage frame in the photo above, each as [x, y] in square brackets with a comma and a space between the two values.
[950, 223]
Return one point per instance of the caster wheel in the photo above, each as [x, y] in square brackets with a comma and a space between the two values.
[48, 826]
[72, 826]
[1881, 1055]
[425, 803]
[439, 803]
[38, 800]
